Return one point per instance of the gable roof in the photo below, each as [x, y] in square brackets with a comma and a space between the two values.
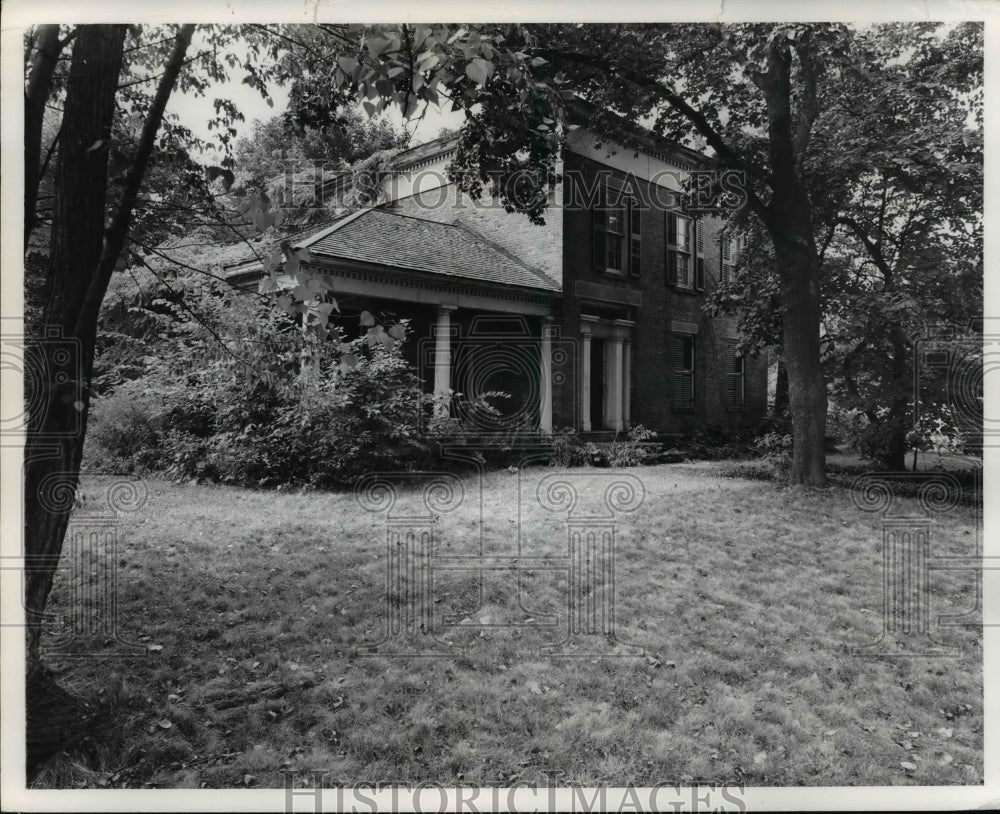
[379, 237]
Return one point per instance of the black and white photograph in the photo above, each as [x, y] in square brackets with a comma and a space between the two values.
[517, 408]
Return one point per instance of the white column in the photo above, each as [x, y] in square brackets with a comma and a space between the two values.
[585, 381]
[627, 384]
[613, 383]
[442, 356]
[545, 378]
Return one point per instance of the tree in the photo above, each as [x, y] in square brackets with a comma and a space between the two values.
[96, 181]
[285, 140]
[897, 214]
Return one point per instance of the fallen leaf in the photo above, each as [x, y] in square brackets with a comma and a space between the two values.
[946, 731]
[164, 723]
[533, 687]
[830, 732]
[760, 757]
[945, 759]
[910, 767]
[154, 648]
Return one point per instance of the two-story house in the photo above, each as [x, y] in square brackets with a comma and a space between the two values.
[593, 321]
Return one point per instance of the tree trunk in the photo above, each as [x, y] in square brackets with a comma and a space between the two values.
[789, 223]
[895, 458]
[35, 97]
[59, 360]
[781, 390]
[806, 383]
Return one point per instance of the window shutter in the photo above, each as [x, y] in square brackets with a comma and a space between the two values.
[699, 237]
[683, 378]
[599, 236]
[699, 273]
[725, 261]
[635, 239]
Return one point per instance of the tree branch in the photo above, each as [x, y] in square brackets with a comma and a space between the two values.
[114, 238]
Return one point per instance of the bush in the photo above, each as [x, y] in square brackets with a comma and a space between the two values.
[569, 450]
[122, 435]
[320, 433]
[478, 431]
[714, 442]
[633, 450]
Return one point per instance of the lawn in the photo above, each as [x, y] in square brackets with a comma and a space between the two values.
[249, 613]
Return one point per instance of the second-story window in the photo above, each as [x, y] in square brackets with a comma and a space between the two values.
[678, 260]
[615, 260]
[617, 237]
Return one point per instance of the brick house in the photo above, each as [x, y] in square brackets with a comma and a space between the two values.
[593, 321]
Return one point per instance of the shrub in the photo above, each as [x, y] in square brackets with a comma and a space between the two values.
[634, 449]
[478, 431]
[122, 435]
[715, 442]
[323, 432]
[568, 449]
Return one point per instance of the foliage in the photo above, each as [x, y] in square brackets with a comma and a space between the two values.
[463, 429]
[262, 419]
[713, 441]
[123, 437]
[897, 217]
[281, 144]
[634, 449]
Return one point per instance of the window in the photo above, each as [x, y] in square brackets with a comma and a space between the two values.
[679, 250]
[617, 235]
[734, 377]
[616, 238]
[683, 346]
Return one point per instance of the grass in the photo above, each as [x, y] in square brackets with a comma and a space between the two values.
[746, 596]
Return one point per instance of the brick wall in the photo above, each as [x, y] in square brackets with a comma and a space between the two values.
[662, 304]
[563, 249]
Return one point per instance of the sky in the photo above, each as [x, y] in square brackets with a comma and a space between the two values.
[195, 112]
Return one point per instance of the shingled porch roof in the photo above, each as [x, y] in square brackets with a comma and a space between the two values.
[383, 238]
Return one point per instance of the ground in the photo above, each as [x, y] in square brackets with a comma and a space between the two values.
[247, 613]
